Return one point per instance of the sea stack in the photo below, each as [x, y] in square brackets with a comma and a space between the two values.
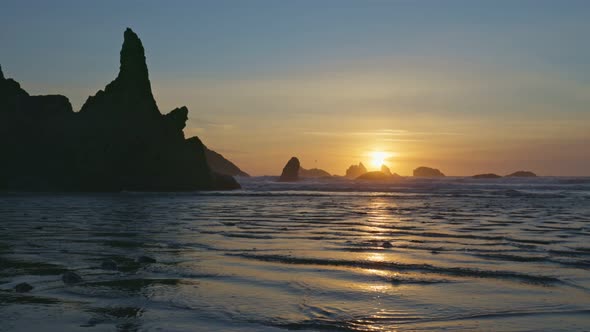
[221, 165]
[427, 172]
[313, 173]
[522, 174]
[290, 171]
[118, 141]
[354, 171]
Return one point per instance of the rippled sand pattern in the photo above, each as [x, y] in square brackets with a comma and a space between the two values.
[421, 256]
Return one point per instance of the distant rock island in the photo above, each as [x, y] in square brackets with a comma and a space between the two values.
[383, 175]
[220, 165]
[294, 172]
[290, 171]
[522, 174]
[118, 141]
[354, 171]
[486, 176]
[378, 176]
[427, 172]
[313, 173]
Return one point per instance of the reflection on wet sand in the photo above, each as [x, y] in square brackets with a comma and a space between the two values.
[272, 260]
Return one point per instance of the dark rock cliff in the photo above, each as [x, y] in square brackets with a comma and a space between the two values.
[291, 171]
[221, 165]
[118, 141]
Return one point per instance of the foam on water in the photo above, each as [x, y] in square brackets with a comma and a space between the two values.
[418, 254]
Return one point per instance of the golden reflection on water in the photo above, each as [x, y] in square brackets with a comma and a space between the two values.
[375, 257]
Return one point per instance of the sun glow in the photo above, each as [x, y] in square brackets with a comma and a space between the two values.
[378, 158]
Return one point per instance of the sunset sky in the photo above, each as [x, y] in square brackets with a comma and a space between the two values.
[464, 86]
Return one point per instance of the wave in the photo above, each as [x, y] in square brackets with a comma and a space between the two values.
[451, 271]
[381, 323]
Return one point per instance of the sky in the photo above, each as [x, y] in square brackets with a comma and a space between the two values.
[464, 86]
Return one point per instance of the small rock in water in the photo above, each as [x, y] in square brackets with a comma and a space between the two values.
[145, 260]
[23, 287]
[108, 264]
[92, 322]
[387, 244]
[71, 278]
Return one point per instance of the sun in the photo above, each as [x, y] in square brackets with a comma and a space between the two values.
[378, 158]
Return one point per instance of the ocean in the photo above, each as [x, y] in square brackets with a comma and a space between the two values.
[455, 254]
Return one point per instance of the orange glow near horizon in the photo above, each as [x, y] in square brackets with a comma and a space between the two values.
[378, 158]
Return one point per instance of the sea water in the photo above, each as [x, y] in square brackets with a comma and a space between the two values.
[331, 254]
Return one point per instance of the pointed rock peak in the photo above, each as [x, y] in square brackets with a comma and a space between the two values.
[177, 118]
[133, 64]
[291, 170]
[130, 93]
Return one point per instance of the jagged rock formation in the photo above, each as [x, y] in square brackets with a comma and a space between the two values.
[427, 172]
[486, 176]
[221, 165]
[291, 171]
[386, 170]
[522, 174]
[313, 173]
[118, 141]
[30, 129]
[354, 171]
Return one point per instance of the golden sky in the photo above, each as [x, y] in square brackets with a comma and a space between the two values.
[452, 120]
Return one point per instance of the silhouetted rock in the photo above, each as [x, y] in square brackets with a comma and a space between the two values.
[313, 173]
[486, 176]
[354, 171]
[385, 170]
[378, 176]
[221, 165]
[290, 171]
[118, 141]
[427, 172]
[387, 244]
[70, 278]
[176, 119]
[31, 127]
[23, 287]
[145, 260]
[225, 182]
[522, 174]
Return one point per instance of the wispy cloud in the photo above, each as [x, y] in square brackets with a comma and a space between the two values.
[401, 140]
[202, 125]
[381, 133]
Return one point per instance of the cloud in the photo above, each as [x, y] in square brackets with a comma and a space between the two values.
[380, 133]
[401, 140]
[203, 125]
